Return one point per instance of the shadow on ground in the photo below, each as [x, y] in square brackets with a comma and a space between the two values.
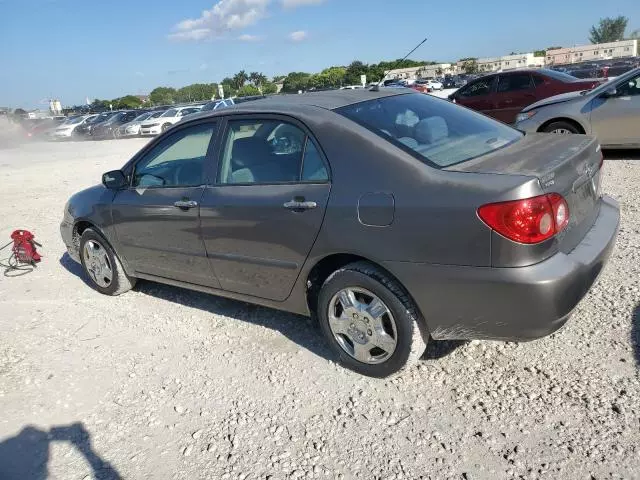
[301, 330]
[620, 154]
[26, 455]
[635, 333]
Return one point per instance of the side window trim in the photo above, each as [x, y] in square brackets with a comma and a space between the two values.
[130, 167]
[222, 137]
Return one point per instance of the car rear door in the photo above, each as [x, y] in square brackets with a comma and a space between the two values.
[514, 92]
[262, 216]
[616, 120]
[157, 219]
[477, 95]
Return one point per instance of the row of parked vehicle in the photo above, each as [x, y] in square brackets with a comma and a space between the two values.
[120, 123]
[551, 101]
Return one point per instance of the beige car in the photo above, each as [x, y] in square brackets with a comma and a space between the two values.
[610, 112]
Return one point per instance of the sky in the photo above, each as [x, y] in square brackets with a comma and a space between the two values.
[74, 49]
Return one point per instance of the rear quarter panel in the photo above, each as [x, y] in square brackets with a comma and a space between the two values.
[435, 219]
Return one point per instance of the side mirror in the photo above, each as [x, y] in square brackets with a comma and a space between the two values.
[114, 180]
[610, 92]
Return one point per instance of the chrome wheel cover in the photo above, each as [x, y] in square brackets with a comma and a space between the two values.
[362, 325]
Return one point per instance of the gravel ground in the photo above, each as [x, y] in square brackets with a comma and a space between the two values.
[166, 383]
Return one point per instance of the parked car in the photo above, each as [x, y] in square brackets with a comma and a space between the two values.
[132, 128]
[421, 86]
[434, 85]
[611, 112]
[85, 130]
[212, 105]
[619, 68]
[111, 127]
[504, 95]
[393, 216]
[40, 128]
[68, 128]
[172, 116]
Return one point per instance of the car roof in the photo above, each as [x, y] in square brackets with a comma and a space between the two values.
[329, 100]
[307, 105]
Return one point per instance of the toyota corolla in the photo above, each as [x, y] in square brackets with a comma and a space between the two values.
[394, 217]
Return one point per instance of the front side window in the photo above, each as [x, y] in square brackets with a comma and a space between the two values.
[176, 161]
[477, 88]
[514, 83]
[435, 131]
[269, 152]
[630, 87]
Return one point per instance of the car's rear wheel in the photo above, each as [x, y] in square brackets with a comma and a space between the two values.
[561, 128]
[102, 265]
[370, 321]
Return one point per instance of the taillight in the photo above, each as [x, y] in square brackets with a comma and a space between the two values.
[531, 220]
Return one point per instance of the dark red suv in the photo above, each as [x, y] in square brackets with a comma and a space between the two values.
[504, 95]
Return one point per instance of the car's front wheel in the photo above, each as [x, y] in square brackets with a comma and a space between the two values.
[370, 321]
[102, 266]
[561, 128]
[165, 127]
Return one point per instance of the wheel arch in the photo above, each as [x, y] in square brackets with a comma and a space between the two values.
[80, 225]
[572, 121]
[328, 264]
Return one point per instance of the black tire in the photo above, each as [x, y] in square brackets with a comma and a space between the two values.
[411, 335]
[165, 127]
[120, 281]
[561, 127]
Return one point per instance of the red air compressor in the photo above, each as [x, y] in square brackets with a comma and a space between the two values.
[23, 251]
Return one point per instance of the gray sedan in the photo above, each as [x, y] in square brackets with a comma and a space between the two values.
[392, 216]
[611, 112]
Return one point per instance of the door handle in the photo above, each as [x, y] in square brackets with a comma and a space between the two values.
[296, 205]
[185, 204]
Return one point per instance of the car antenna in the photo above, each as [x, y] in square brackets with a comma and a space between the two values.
[376, 87]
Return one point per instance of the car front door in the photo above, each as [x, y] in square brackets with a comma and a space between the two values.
[477, 95]
[157, 218]
[615, 120]
[262, 215]
[514, 92]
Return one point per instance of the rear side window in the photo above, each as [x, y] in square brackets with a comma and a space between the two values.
[435, 131]
[537, 81]
[514, 83]
[477, 88]
[269, 152]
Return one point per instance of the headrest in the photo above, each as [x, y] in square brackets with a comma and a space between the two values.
[431, 129]
[249, 151]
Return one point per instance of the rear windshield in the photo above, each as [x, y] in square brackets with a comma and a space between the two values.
[563, 77]
[435, 131]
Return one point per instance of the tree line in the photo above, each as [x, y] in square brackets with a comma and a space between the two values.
[256, 83]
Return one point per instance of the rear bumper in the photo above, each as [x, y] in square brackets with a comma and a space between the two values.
[513, 304]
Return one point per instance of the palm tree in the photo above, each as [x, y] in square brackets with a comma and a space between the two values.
[240, 78]
[258, 79]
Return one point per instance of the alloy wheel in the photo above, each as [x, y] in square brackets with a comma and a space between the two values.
[97, 263]
[362, 325]
[561, 131]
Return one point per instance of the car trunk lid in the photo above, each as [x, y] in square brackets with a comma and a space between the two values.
[564, 164]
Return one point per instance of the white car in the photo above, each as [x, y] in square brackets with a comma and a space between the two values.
[351, 87]
[172, 116]
[133, 127]
[434, 85]
[67, 128]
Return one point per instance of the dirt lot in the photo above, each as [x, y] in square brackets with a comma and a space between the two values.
[167, 383]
